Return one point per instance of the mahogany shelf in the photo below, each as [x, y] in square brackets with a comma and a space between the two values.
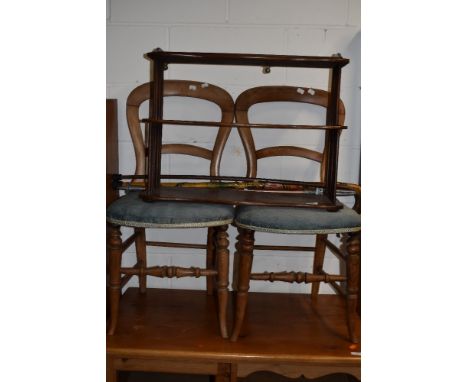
[170, 330]
[160, 62]
[247, 59]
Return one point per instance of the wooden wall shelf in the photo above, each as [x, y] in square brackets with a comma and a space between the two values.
[160, 61]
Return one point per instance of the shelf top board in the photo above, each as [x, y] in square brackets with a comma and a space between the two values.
[248, 59]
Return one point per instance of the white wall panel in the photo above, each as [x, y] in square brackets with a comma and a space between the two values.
[126, 46]
[310, 12]
[301, 27]
[354, 17]
[168, 11]
[227, 39]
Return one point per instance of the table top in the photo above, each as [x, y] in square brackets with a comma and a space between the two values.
[282, 328]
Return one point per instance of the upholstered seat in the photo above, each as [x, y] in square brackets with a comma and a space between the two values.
[131, 210]
[290, 220]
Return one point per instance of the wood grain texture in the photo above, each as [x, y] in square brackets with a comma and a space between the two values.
[293, 151]
[296, 277]
[210, 258]
[112, 167]
[154, 137]
[169, 271]
[168, 244]
[111, 370]
[245, 257]
[112, 149]
[353, 273]
[246, 59]
[320, 246]
[242, 125]
[115, 252]
[222, 279]
[332, 137]
[140, 247]
[285, 333]
[167, 366]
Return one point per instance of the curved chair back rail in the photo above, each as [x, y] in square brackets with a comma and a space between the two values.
[264, 94]
[181, 88]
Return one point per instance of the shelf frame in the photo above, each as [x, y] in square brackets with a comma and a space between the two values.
[161, 59]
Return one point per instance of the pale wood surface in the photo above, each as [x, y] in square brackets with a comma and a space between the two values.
[174, 330]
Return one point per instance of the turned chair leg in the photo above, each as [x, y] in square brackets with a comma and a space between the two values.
[115, 258]
[319, 255]
[235, 279]
[210, 258]
[222, 265]
[358, 308]
[235, 266]
[140, 245]
[353, 276]
[245, 253]
[108, 228]
[235, 273]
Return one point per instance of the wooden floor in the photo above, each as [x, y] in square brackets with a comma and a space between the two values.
[176, 331]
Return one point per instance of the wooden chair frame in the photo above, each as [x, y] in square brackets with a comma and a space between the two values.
[217, 253]
[245, 241]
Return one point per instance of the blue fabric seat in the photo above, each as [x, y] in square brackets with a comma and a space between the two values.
[292, 220]
[131, 211]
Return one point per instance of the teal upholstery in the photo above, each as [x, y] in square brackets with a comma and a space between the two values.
[295, 220]
[131, 211]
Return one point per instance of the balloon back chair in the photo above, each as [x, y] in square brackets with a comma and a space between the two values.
[294, 220]
[131, 211]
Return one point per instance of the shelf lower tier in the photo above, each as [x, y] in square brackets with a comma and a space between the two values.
[242, 197]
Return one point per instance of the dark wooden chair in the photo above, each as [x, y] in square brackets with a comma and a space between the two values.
[131, 211]
[285, 220]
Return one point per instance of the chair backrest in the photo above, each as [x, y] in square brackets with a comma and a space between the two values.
[181, 88]
[262, 94]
